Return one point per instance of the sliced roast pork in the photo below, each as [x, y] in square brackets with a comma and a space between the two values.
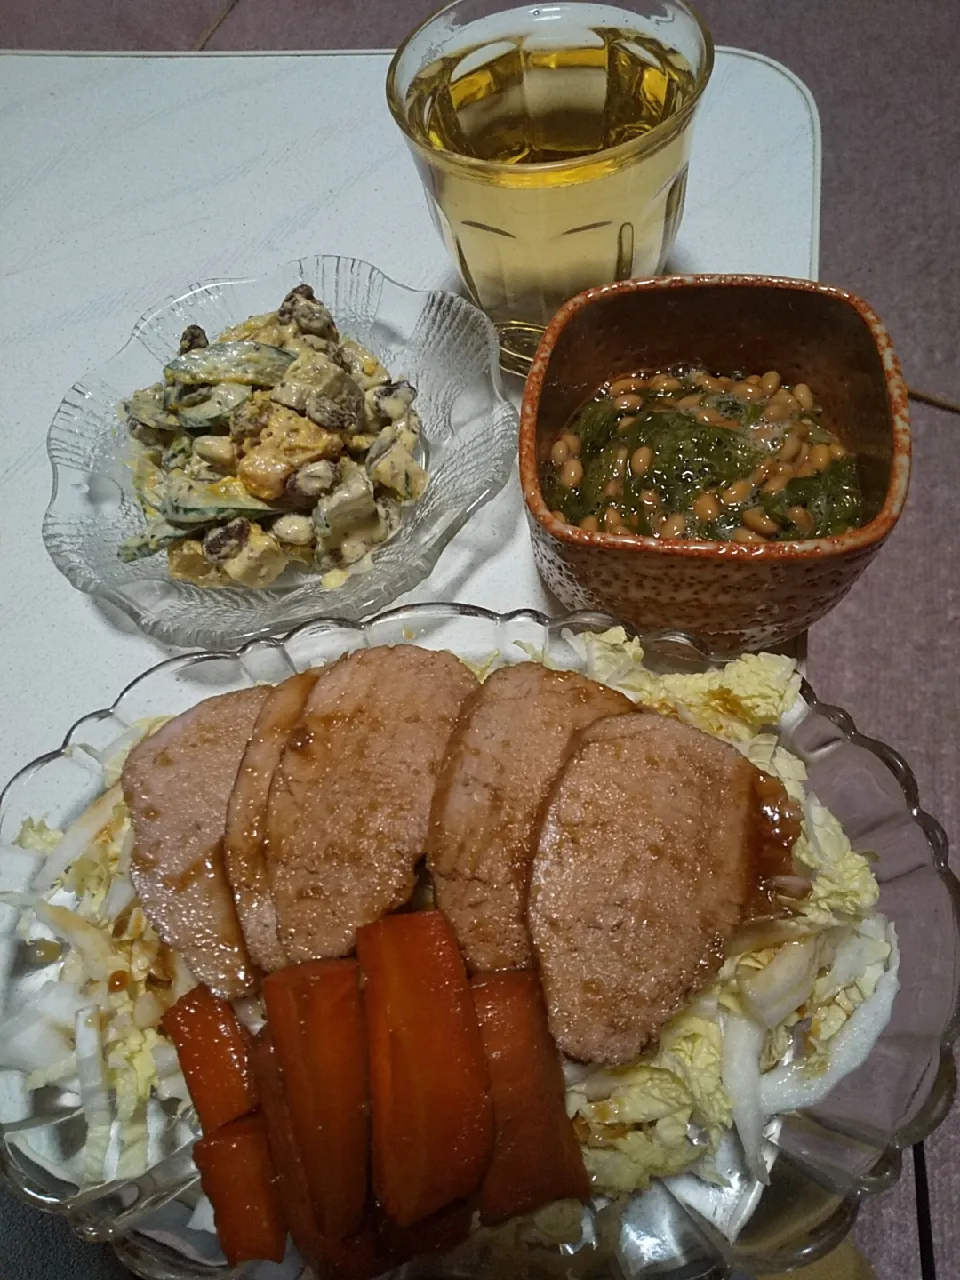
[511, 740]
[177, 784]
[350, 800]
[643, 869]
[244, 856]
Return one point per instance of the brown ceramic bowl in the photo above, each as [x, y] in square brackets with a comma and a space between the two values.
[734, 596]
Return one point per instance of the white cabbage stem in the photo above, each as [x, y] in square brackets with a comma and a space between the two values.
[742, 1045]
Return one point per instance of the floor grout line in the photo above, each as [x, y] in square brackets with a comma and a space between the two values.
[215, 26]
[936, 402]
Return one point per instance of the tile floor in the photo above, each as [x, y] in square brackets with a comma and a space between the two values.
[886, 77]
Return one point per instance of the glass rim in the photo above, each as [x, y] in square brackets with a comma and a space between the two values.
[650, 141]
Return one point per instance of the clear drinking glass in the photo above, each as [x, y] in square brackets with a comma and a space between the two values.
[553, 143]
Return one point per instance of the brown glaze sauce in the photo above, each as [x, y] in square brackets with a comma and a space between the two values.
[776, 827]
[43, 951]
[202, 869]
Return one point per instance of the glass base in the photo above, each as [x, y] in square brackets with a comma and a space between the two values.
[518, 345]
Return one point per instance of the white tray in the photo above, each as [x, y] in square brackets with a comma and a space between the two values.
[126, 178]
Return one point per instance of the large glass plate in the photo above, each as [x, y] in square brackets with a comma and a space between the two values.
[442, 343]
[827, 1157]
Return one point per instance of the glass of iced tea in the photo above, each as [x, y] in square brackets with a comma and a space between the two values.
[553, 142]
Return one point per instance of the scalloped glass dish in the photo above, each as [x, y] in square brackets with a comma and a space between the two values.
[442, 343]
[827, 1157]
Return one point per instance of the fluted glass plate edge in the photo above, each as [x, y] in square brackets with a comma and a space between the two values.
[440, 341]
[819, 1176]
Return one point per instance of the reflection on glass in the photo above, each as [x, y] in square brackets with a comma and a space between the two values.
[552, 141]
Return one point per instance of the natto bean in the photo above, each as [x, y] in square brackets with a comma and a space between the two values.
[571, 473]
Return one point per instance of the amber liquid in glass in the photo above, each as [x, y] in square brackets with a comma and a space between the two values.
[548, 222]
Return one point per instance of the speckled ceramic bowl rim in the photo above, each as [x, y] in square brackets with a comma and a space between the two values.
[867, 535]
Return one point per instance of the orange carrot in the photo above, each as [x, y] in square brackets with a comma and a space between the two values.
[429, 1086]
[238, 1177]
[536, 1156]
[291, 1174]
[316, 1019]
[214, 1053]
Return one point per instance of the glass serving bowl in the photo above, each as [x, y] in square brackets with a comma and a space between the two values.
[827, 1157]
[441, 342]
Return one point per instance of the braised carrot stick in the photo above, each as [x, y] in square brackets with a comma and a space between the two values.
[315, 1016]
[237, 1175]
[429, 1085]
[214, 1053]
[358, 1257]
[536, 1156]
[291, 1174]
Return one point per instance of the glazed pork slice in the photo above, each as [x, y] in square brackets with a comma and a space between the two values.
[177, 784]
[644, 867]
[244, 857]
[509, 744]
[350, 800]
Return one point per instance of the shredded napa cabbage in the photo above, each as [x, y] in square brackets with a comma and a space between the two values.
[94, 1027]
[844, 887]
[790, 997]
[657, 1116]
[789, 1007]
[37, 836]
[732, 702]
[480, 670]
